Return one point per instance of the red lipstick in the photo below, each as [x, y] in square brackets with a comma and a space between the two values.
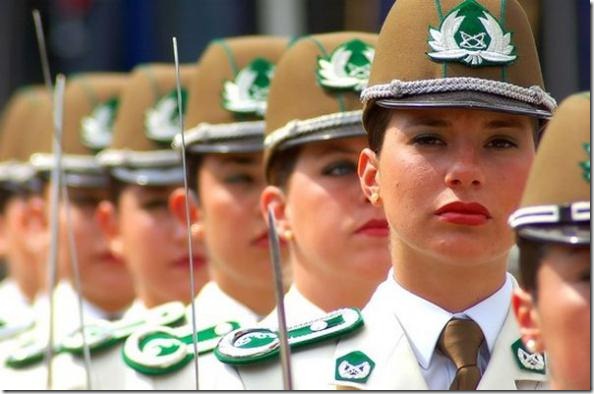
[464, 213]
[374, 228]
[184, 262]
[261, 240]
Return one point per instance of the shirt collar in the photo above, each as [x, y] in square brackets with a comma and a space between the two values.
[423, 321]
[216, 305]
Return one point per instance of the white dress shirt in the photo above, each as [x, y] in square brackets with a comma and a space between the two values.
[423, 321]
[298, 309]
[214, 306]
[15, 310]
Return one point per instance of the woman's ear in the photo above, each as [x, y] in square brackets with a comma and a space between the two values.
[177, 206]
[527, 318]
[36, 225]
[108, 221]
[369, 176]
[273, 197]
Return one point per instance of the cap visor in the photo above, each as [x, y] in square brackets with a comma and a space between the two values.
[466, 99]
[565, 234]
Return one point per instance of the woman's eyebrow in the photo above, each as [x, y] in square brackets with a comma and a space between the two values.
[239, 160]
[505, 123]
[426, 121]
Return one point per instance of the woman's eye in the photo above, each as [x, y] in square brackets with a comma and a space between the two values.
[340, 168]
[501, 143]
[85, 202]
[150, 205]
[238, 179]
[428, 140]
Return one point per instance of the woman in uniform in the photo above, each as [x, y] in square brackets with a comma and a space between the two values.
[553, 232]
[338, 241]
[452, 111]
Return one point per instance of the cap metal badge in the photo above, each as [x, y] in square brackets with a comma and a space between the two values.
[469, 34]
[97, 128]
[248, 92]
[347, 68]
[162, 121]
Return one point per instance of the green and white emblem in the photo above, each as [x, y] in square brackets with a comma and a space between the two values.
[354, 367]
[162, 121]
[97, 335]
[469, 34]
[585, 165]
[246, 346]
[347, 68]
[96, 129]
[534, 362]
[248, 92]
[158, 350]
[14, 326]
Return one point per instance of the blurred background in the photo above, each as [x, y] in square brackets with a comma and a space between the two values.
[116, 35]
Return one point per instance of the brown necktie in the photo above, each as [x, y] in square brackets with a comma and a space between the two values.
[460, 341]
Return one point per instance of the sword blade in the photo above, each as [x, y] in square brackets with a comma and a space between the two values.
[275, 255]
[58, 105]
[61, 185]
[188, 222]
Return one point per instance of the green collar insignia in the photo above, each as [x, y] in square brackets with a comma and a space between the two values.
[354, 367]
[97, 335]
[12, 327]
[469, 34]
[96, 129]
[533, 362]
[154, 350]
[162, 121]
[586, 164]
[246, 346]
[347, 68]
[248, 92]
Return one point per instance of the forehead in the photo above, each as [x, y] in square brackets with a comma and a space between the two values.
[220, 160]
[149, 191]
[565, 258]
[339, 145]
[448, 117]
[88, 191]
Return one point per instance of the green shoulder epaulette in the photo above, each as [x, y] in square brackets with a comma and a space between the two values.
[98, 335]
[159, 350]
[246, 346]
[10, 328]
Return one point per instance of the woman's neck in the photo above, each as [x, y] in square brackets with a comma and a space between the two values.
[331, 293]
[24, 277]
[453, 287]
[259, 299]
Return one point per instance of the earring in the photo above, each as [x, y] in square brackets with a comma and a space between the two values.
[531, 345]
[197, 230]
[288, 235]
[374, 197]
